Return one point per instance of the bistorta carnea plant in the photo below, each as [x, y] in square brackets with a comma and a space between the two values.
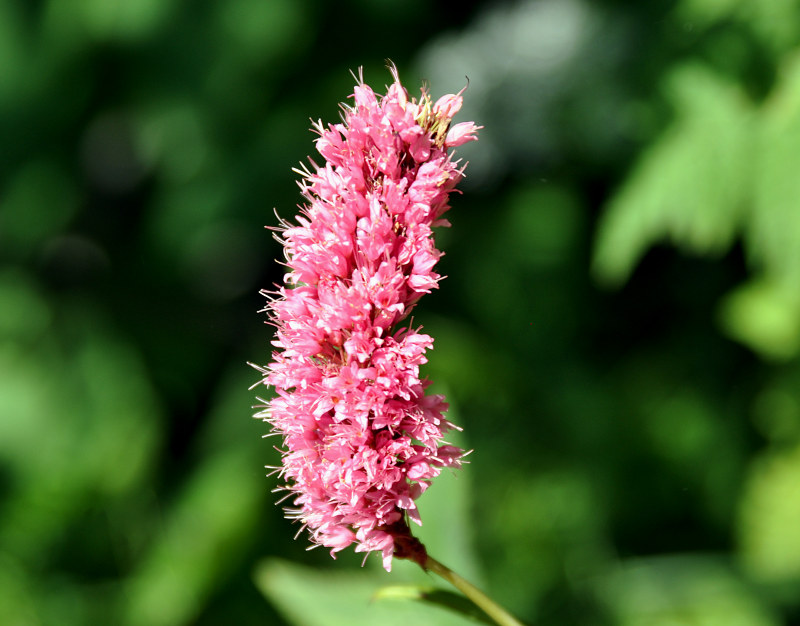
[362, 437]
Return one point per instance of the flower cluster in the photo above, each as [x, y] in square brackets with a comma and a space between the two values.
[362, 439]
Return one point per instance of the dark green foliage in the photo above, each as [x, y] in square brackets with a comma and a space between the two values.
[618, 334]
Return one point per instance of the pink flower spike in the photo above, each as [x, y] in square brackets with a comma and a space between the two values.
[362, 438]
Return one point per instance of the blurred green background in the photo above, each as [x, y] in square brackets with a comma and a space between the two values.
[618, 335]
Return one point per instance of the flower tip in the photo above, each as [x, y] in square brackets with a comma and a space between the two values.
[447, 106]
[461, 133]
[393, 70]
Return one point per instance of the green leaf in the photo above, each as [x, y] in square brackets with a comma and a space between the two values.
[704, 13]
[765, 316]
[769, 519]
[333, 597]
[426, 593]
[773, 22]
[689, 186]
[204, 533]
[666, 591]
[90, 431]
[773, 231]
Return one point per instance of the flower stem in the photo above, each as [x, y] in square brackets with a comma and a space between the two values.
[480, 599]
[407, 546]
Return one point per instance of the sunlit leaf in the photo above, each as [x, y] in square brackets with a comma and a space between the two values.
[689, 187]
[704, 12]
[765, 316]
[773, 230]
[769, 532]
[774, 22]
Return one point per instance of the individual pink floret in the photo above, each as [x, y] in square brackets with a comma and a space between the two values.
[362, 438]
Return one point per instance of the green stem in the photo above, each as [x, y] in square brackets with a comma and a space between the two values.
[480, 599]
[407, 546]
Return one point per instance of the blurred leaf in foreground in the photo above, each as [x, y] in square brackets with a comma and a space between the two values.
[769, 521]
[317, 597]
[666, 591]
